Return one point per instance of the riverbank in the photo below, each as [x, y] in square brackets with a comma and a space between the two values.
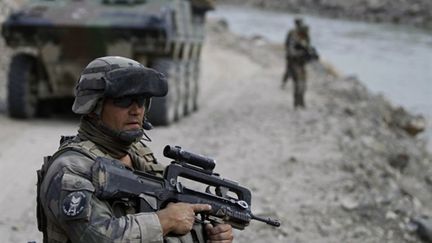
[380, 172]
[416, 13]
[378, 54]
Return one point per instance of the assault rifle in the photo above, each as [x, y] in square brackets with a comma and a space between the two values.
[310, 52]
[230, 202]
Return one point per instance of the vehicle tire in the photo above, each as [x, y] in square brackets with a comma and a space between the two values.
[195, 84]
[45, 109]
[23, 87]
[182, 92]
[189, 96]
[163, 109]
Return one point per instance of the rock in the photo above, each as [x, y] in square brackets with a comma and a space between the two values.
[399, 161]
[410, 123]
[361, 232]
[416, 190]
[424, 227]
[428, 179]
[221, 25]
[409, 238]
[416, 125]
[349, 203]
[259, 40]
[349, 111]
[391, 215]
[322, 229]
[293, 159]
[411, 227]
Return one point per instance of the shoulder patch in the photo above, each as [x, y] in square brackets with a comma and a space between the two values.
[74, 204]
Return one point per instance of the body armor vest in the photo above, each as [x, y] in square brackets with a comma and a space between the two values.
[143, 159]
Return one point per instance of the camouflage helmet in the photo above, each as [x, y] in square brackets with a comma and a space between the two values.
[300, 25]
[298, 21]
[112, 77]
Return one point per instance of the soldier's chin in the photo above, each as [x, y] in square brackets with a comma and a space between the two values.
[131, 136]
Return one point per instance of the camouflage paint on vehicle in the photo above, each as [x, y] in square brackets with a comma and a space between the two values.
[55, 39]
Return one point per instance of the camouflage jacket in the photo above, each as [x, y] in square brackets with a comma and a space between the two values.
[75, 214]
[296, 44]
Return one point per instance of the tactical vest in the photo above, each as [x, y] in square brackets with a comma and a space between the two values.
[90, 150]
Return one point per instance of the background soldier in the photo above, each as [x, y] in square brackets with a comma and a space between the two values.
[113, 95]
[298, 53]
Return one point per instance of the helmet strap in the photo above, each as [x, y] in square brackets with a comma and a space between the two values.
[146, 137]
[127, 136]
[98, 108]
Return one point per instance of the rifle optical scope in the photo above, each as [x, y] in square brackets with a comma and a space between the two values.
[178, 154]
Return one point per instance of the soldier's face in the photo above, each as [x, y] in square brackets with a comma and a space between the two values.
[120, 118]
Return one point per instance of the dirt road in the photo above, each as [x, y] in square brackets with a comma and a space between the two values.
[291, 159]
[245, 121]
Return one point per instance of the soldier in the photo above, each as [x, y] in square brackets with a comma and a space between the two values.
[298, 53]
[113, 95]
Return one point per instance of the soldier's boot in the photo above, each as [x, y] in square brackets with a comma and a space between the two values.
[299, 101]
[300, 90]
[296, 101]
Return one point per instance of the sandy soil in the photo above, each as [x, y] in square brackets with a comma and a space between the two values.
[292, 160]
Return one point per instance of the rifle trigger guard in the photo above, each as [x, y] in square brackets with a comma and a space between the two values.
[151, 201]
[179, 187]
[243, 204]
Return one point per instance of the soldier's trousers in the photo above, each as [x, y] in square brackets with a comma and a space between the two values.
[287, 74]
[298, 73]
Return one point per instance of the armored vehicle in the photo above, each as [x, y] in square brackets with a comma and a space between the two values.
[55, 39]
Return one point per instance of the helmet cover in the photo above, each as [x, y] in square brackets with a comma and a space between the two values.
[113, 77]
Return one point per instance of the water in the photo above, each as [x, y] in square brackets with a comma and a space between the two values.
[393, 60]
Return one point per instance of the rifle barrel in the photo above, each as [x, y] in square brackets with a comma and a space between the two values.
[268, 221]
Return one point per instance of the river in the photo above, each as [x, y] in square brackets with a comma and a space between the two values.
[389, 59]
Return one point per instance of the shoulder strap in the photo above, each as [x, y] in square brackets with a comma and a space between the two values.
[150, 162]
[86, 148]
[40, 214]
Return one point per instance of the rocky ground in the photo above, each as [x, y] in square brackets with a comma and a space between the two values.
[374, 180]
[411, 12]
[349, 168]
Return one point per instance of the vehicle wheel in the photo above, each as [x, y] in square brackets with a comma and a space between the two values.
[22, 87]
[195, 84]
[182, 91]
[163, 109]
[44, 108]
[190, 86]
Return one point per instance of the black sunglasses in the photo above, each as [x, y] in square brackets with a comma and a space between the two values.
[126, 101]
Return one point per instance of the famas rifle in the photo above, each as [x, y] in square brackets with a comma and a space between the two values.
[309, 52]
[230, 202]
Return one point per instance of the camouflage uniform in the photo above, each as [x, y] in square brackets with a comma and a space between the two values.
[93, 220]
[296, 42]
[68, 210]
